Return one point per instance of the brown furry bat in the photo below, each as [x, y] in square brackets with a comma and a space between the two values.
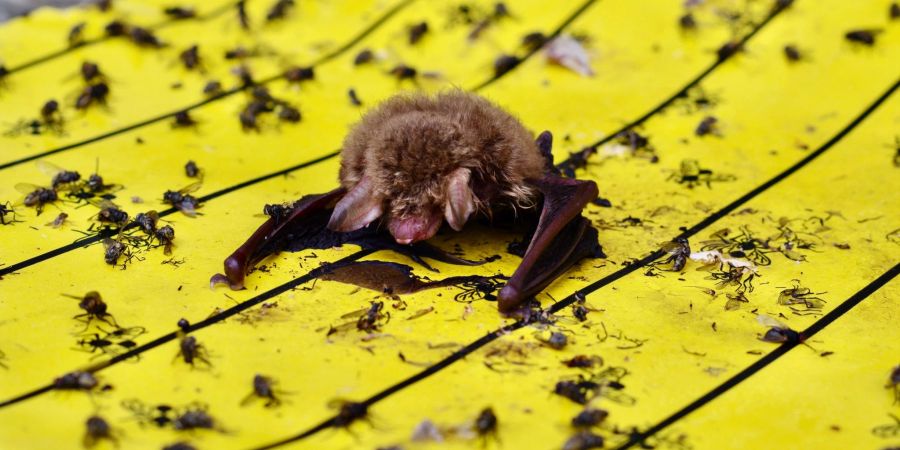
[415, 161]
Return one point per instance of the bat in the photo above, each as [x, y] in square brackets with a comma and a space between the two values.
[417, 161]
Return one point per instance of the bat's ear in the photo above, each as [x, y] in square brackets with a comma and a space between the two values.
[460, 202]
[357, 209]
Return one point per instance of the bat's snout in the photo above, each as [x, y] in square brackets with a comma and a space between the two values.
[408, 230]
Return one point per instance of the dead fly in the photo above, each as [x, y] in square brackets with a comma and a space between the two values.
[687, 22]
[638, 144]
[589, 417]
[180, 12]
[95, 93]
[144, 37]
[36, 196]
[894, 11]
[110, 214]
[894, 383]
[741, 245]
[190, 57]
[355, 101]
[115, 28]
[6, 208]
[60, 178]
[533, 41]
[369, 321]
[76, 35]
[799, 295]
[505, 63]
[580, 391]
[298, 74]
[288, 113]
[584, 441]
[677, 253]
[277, 212]
[500, 12]
[147, 222]
[363, 57]
[97, 429]
[212, 87]
[779, 332]
[182, 200]
[110, 342]
[865, 37]
[242, 14]
[191, 170]
[50, 113]
[165, 236]
[183, 119]
[741, 278]
[104, 5]
[250, 114]
[94, 309]
[792, 53]
[81, 381]
[263, 388]
[404, 72]
[279, 10]
[191, 352]
[193, 418]
[728, 49]
[113, 250]
[91, 72]
[709, 125]
[584, 362]
[348, 412]
[486, 423]
[417, 31]
[691, 175]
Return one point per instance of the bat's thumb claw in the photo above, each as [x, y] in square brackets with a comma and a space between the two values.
[509, 299]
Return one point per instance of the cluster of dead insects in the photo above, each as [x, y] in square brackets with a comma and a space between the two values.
[50, 120]
[192, 416]
[95, 338]
[67, 182]
[585, 421]
[141, 36]
[262, 102]
[802, 300]
[95, 90]
[690, 174]
[367, 320]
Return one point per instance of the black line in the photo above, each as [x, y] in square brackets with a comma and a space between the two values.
[93, 239]
[211, 320]
[771, 357]
[584, 6]
[581, 293]
[687, 87]
[322, 59]
[42, 59]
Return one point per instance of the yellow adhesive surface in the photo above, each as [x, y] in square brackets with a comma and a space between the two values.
[683, 365]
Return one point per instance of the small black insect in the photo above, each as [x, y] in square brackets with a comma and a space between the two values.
[165, 235]
[350, 412]
[288, 113]
[865, 37]
[486, 423]
[583, 361]
[728, 49]
[144, 37]
[354, 99]
[116, 28]
[94, 93]
[192, 419]
[298, 74]
[97, 429]
[590, 417]
[190, 57]
[505, 63]
[111, 342]
[191, 169]
[404, 72]
[677, 253]
[368, 322]
[183, 119]
[6, 208]
[363, 57]
[707, 126]
[111, 214]
[91, 72]
[183, 324]
[242, 14]
[212, 87]
[94, 309]
[778, 332]
[250, 114]
[114, 249]
[417, 31]
[38, 197]
[147, 222]
[104, 5]
[50, 112]
[894, 11]
[691, 175]
[263, 388]
[76, 35]
[77, 380]
[277, 212]
[180, 12]
[578, 391]
[584, 441]
[279, 10]
[533, 41]
[182, 200]
[192, 352]
[792, 53]
[894, 383]
[687, 22]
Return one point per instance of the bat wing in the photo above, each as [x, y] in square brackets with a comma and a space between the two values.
[258, 246]
[562, 236]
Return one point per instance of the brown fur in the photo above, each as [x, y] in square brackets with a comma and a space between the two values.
[409, 145]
